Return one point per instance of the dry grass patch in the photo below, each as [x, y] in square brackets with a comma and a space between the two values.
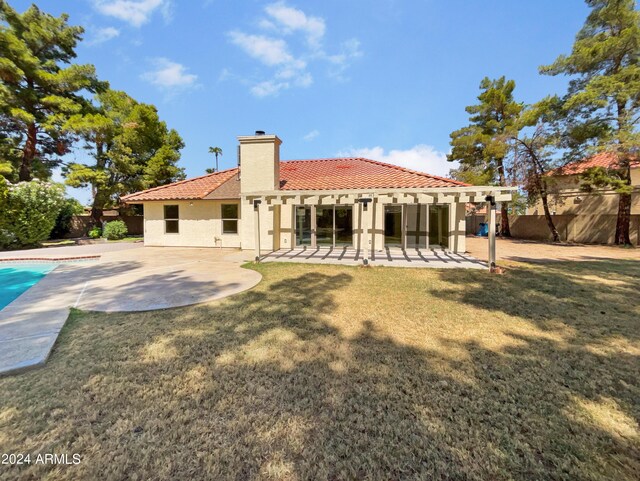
[326, 372]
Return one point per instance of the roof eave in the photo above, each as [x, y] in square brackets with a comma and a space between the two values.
[409, 190]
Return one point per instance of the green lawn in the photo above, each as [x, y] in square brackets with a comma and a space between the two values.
[336, 373]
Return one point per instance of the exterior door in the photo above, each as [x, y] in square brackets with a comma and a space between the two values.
[324, 225]
[333, 225]
[393, 226]
[303, 226]
[439, 226]
[343, 215]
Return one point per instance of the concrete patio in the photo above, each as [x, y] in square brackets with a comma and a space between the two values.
[389, 257]
[128, 277]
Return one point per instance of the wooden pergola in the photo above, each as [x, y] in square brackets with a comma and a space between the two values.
[364, 197]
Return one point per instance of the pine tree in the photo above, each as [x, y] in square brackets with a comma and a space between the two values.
[603, 101]
[39, 87]
[483, 146]
[132, 149]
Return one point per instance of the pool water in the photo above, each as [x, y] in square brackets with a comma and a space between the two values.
[17, 278]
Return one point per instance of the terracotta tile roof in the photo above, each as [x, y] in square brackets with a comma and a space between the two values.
[315, 174]
[354, 173]
[189, 189]
[227, 190]
[608, 160]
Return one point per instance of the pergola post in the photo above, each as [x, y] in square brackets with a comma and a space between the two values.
[426, 227]
[403, 231]
[364, 201]
[491, 206]
[314, 226]
[256, 227]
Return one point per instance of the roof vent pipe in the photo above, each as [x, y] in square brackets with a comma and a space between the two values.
[259, 132]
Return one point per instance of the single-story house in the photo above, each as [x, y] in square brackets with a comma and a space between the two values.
[567, 197]
[266, 204]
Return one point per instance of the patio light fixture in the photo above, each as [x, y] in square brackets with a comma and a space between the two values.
[365, 201]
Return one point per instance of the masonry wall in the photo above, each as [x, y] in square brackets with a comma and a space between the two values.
[582, 229]
[566, 197]
[80, 224]
[200, 225]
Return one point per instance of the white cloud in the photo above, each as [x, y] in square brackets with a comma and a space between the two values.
[293, 45]
[134, 12]
[423, 158]
[273, 52]
[269, 51]
[311, 135]
[291, 19]
[102, 35]
[169, 75]
[349, 50]
[268, 88]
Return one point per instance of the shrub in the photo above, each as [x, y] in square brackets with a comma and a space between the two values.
[115, 230]
[28, 212]
[62, 227]
[95, 232]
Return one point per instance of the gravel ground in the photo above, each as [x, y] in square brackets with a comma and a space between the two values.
[532, 251]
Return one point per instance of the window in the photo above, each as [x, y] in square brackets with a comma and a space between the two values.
[229, 218]
[171, 219]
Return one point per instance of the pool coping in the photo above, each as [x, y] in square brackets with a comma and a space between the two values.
[50, 259]
[36, 346]
[112, 282]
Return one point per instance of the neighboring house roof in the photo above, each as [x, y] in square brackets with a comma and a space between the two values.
[316, 174]
[608, 160]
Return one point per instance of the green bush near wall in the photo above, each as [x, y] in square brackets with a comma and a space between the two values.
[28, 212]
[115, 230]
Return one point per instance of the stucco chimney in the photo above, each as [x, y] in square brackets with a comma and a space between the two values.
[259, 162]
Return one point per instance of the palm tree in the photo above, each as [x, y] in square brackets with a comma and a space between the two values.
[215, 151]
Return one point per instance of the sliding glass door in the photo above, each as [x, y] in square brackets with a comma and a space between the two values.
[439, 225]
[343, 222]
[393, 226]
[303, 226]
[333, 225]
[324, 225]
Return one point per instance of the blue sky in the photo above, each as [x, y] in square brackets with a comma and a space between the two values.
[385, 79]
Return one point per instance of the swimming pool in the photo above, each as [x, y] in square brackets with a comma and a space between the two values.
[17, 278]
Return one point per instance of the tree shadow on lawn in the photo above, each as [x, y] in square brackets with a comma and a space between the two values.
[267, 385]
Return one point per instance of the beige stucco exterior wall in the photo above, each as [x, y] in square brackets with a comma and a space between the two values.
[259, 163]
[200, 225]
[457, 228]
[567, 198]
[268, 221]
[283, 235]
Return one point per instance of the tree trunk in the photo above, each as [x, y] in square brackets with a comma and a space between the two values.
[624, 203]
[96, 213]
[547, 215]
[505, 230]
[97, 207]
[28, 154]
[624, 218]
